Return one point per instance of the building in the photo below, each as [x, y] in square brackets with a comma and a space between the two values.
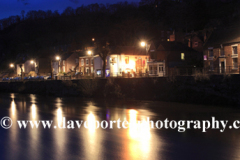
[221, 51]
[167, 57]
[23, 67]
[68, 62]
[123, 61]
[86, 62]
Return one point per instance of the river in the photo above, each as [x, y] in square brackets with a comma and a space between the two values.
[113, 143]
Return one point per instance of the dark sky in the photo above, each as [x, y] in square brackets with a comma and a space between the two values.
[14, 7]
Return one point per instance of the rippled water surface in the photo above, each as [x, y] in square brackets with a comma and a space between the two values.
[92, 143]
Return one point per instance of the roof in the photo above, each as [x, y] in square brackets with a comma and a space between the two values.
[175, 46]
[224, 35]
[128, 50]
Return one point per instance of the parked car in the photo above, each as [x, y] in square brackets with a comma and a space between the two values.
[46, 77]
[26, 78]
[50, 77]
[17, 78]
[5, 79]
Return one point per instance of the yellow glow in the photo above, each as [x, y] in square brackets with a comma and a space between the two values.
[59, 115]
[34, 112]
[93, 39]
[13, 107]
[143, 44]
[139, 133]
[89, 52]
[91, 122]
[57, 58]
[32, 61]
[11, 65]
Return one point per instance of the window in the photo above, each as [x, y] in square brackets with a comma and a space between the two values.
[63, 69]
[160, 68]
[63, 62]
[205, 57]
[182, 56]
[99, 72]
[91, 69]
[82, 62]
[126, 60]
[210, 52]
[91, 61]
[195, 44]
[221, 52]
[86, 61]
[211, 66]
[235, 63]
[235, 50]
[72, 68]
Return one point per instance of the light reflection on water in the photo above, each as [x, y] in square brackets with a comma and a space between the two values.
[136, 142]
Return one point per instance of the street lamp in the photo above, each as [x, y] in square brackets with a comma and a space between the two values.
[32, 61]
[93, 39]
[11, 65]
[57, 58]
[89, 52]
[143, 44]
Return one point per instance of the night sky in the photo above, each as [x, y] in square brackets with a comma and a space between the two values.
[14, 7]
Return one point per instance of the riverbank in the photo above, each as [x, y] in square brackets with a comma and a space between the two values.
[213, 90]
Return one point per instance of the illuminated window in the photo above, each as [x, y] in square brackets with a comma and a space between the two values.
[126, 60]
[82, 62]
[182, 56]
[63, 62]
[76, 60]
[205, 57]
[86, 61]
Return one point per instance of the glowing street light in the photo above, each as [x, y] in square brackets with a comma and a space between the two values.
[32, 61]
[93, 39]
[57, 58]
[143, 44]
[11, 65]
[89, 52]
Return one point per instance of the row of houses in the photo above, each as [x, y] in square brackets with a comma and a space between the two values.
[157, 58]
[216, 52]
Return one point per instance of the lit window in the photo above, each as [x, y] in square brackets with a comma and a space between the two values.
[126, 60]
[82, 62]
[86, 61]
[76, 60]
[63, 62]
[205, 57]
[182, 56]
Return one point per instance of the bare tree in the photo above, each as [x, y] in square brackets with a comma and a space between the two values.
[103, 51]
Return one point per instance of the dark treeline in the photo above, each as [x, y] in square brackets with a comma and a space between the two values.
[35, 32]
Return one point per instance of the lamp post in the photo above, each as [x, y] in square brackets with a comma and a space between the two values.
[58, 59]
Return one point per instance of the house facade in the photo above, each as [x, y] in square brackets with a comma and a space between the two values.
[68, 62]
[169, 57]
[123, 61]
[222, 51]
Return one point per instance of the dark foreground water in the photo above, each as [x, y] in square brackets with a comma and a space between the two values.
[133, 143]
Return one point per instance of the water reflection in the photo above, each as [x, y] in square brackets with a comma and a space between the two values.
[136, 142]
